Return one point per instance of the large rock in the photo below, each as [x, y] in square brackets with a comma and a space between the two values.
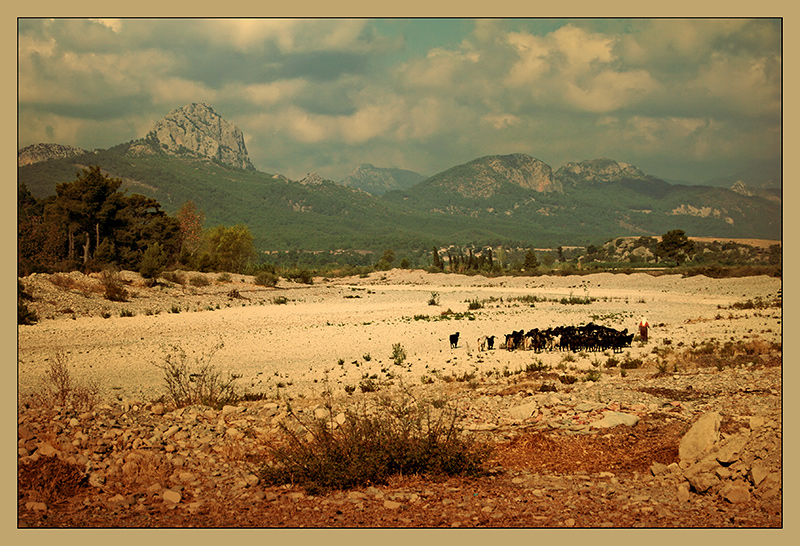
[612, 419]
[700, 438]
[524, 411]
[197, 129]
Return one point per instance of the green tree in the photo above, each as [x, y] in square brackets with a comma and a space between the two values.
[530, 262]
[231, 247]
[86, 208]
[437, 261]
[153, 262]
[675, 245]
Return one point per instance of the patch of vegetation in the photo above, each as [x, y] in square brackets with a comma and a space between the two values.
[398, 354]
[112, 287]
[199, 382]
[59, 388]
[434, 299]
[266, 278]
[401, 435]
[199, 280]
[25, 315]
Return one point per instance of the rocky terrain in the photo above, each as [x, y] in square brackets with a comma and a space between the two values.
[37, 153]
[683, 439]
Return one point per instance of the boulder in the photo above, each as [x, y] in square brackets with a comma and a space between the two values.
[614, 418]
[729, 450]
[700, 438]
[524, 411]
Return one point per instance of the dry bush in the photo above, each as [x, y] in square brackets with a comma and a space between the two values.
[60, 388]
[400, 436]
[199, 383]
[112, 286]
[50, 480]
[68, 282]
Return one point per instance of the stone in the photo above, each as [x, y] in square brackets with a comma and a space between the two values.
[702, 481]
[524, 411]
[735, 493]
[234, 433]
[700, 438]
[756, 422]
[683, 493]
[170, 431]
[391, 505]
[25, 433]
[658, 468]
[158, 408]
[757, 474]
[46, 449]
[172, 497]
[612, 419]
[729, 450]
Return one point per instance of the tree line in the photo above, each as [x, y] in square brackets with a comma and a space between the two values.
[90, 225]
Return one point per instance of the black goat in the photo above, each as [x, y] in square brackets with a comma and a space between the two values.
[454, 340]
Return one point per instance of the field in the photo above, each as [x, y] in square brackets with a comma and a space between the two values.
[391, 331]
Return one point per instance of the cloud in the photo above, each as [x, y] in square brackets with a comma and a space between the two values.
[337, 92]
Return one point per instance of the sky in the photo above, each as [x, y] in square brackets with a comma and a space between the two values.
[682, 99]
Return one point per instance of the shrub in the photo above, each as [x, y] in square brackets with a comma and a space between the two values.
[266, 278]
[593, 375]
[201, 383]
[280, 300]
[434, 299]
[301, 275]
[368, 384]
[24, 314]
[398, 354]
[474, 305]
[126, 313]
[112, 287]
[199, 280]
[173, 277]
[61, 389]
[224, 277]
[154, 261]
[402, 436]
[629, 363]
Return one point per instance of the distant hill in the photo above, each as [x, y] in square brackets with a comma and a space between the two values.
[499, 199]
[379, 180]
[765, 176]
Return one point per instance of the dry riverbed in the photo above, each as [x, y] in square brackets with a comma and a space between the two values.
[559, 459]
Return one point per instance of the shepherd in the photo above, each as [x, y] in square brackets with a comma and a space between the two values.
[643, 325]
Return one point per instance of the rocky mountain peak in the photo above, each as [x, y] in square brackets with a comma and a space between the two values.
[598, 170]
[197, 129]
[37, 153]
[312, 179]
[524, 171]
[486, 176]
[742, 189]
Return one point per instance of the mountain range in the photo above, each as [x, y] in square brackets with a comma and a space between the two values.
[193, 153]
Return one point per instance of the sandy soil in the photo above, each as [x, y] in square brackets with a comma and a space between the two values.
[298, 346]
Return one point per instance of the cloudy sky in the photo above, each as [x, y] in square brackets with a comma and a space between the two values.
[681, 99]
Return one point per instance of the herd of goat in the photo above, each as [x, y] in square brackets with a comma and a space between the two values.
[591, 337]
